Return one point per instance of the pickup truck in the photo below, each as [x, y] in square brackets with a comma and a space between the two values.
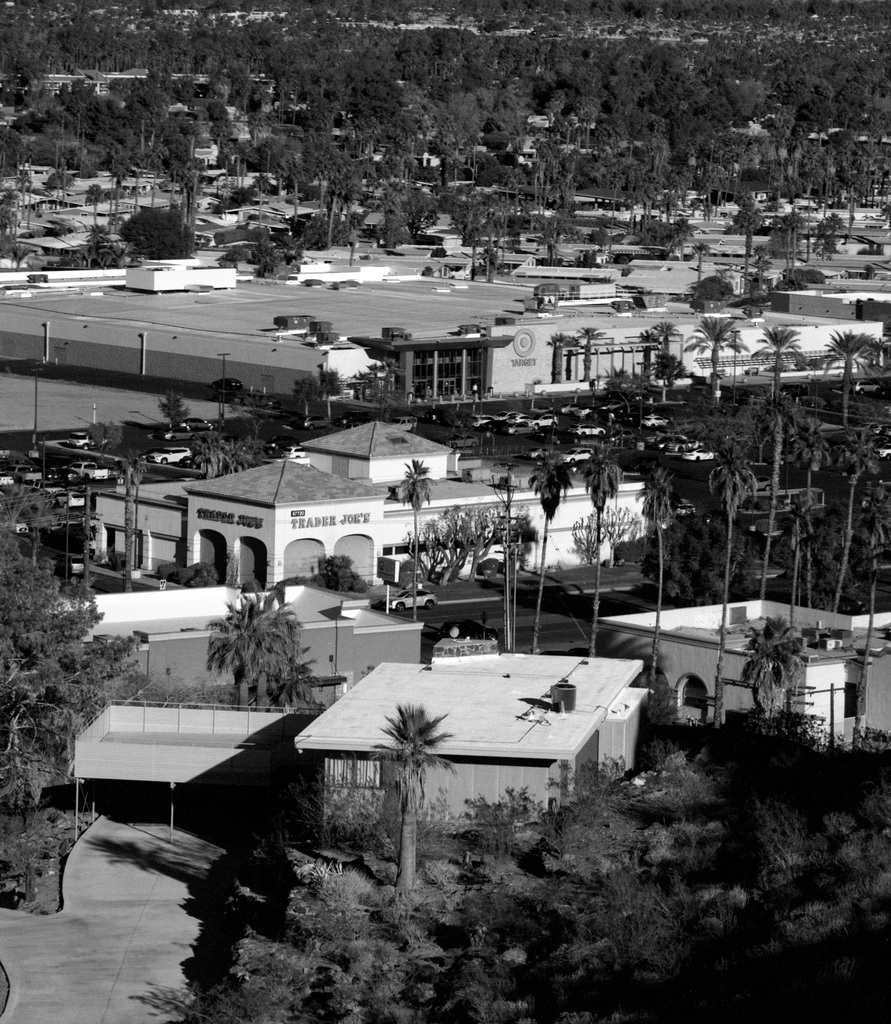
[88, 471]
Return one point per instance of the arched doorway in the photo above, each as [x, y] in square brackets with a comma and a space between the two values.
[694, 698]
[361, 550]
[212, 549]
[303, 557]
[252, 560]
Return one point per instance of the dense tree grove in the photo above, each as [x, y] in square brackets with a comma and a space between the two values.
[636, 95]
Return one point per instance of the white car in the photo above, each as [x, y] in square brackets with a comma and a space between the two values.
[884, 451]
[577, 456]
[168, 455]
[404, 600]
[580, 412]
[77, 439]
[545, 419]
[699, 455]
[653, 421]
[588, 430]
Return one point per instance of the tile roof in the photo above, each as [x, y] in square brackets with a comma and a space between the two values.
[376, 441]
[284, 484]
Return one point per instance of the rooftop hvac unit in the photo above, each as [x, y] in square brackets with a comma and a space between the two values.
[505, 321]
[467, 476]
[327, 337]
[469, 330]
[563, 696]
[828, 643]
[320, 326]
[392, 333]
[810, 659]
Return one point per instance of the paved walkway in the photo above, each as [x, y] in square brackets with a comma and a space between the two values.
[120, 945]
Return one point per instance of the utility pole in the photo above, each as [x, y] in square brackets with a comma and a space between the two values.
[505, 488]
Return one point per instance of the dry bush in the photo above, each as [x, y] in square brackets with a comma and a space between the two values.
[782, 840]
[876, 807]
[685, 847]
[442, 873]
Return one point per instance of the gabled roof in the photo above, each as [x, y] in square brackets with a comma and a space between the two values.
[283, 484]
[376, 441]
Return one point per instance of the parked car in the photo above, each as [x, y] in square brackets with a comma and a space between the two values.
[884, 451]
[291, 452]
[196, 424]
[588, 430]
[404, 600]
[88, 470]
[479, 422]
[699, 454]
[683, 508]
[462, 444]
[542, 420]
[575, 410]
[654, 421]
[313, 422]
[77, 439]
[674, 444]
[163, 456]
[180, 432]
[349, 419]
[227, 384]
[6, 477]
[406, 422]
[577, 456]
[466, 629]
[512, 427]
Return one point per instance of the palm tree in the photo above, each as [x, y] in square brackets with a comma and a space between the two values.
[658, 509]
[665, 332]
[809, 447]
[588, 335]
[413, 748]
[732, 481]
[415, 490]
[713, 335]
[853, 350]
[800, 531]
[558, 342]
[858, 456]
[772, 663]
[94, 196]
[700, 250]
[779, 344]
[875, 527]
[603, 478]
[550, 481]
[133, 467]
[681, 233]
[257, 640]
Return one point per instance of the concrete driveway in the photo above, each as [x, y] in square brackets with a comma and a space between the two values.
[118, 949]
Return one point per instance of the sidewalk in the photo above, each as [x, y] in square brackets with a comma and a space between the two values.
[120, 944]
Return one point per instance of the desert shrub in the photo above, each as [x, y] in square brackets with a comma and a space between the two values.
[657, 752]
[686, 847]
[167, 570]
[781, 839]
[496, 822]
[632, 550]
[876, 807]
[347, 891]
[681, 790]
[116, 560]
[339, 817]
[442, 873]
[205, 575]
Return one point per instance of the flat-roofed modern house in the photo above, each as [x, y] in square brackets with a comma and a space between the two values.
[832, 649]
[515, 722]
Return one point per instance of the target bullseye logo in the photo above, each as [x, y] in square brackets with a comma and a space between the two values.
[524, 343]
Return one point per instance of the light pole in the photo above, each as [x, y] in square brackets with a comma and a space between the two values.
[505, 488]
[221, 417]
[34, 435]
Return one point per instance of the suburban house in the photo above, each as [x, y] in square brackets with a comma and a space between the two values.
[513, 722]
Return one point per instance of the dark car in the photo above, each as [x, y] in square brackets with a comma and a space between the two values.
[466, 629]
[227, 384]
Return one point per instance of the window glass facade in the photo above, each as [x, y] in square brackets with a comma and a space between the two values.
[439, 373]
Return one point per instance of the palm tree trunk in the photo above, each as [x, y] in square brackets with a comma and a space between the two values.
[595, 605]
[796, 568]
[660, 542]
[716, 380]
[408, 842]
[722, 635]
[846, 546]
[242, 695]
[774, 489]
[846, 391]
[536, 625]
[414, 586]
[863, 683]
[129, 530]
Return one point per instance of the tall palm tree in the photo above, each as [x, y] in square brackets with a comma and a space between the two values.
[94, 196]
[257, 641]
[665, 332]
[658, 509]
[415, 490]
[603, 478]
[713, 336]
[558, 342]
[875, 527]
[857, 457]
[852, 350]
[588, 335]
[700, 250]
[414, 741]
[809, 447]
[801, 532]
[550, 482]
[780, 343]
[133, 467]
[732, 481]
[772, 663]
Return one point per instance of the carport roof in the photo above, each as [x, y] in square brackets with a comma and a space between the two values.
[284, 484]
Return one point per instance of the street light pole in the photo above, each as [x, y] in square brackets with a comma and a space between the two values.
[505, 488]
[34, 436]
[221, 416]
